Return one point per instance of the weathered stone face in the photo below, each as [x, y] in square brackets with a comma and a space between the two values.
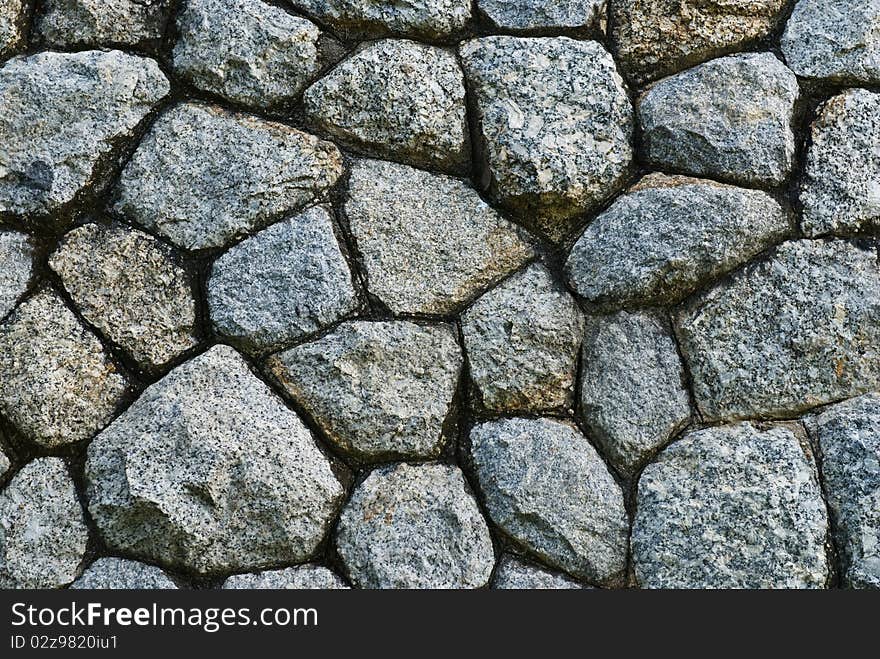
[70, 23]
[12, 36]
[515, 574]
[16, 268]
[303, 577]
[122, 574]
[544, 14]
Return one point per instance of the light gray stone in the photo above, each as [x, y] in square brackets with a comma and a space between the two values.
[378, 390]
[633, 397]
[731, 507]
[286, 282]
[428, 242]
[16, 268]
[669, 235]
[246, 51]
[729, 118]
[396, 99]
[209, 472]
[122, 574]
[547, 488]
[130, 287]
[73, 111]
[849, 439]
[4, 463]
[522, 340]
[415, 526]
[43, 534]
[653, 38]
[358, 19]
[555, 125]
[545, 14]
[795, 331]
[840, 190]
[70, 23]
[57, 385]
[302, 577]
[12, 19]
[834, 40]
[203, 177]
[513, 573]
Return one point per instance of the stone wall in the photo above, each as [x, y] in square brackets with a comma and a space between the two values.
[439, 293]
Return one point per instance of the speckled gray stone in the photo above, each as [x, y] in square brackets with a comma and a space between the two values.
[555, 125]
[834, 40]
[798, 330]
[204, 176]
[209, 472]
[128, 285]
[729, 119]
[428, 242]
[633, 397]
[16, 268]
[246, 51]
[57, 385]
[669, 235]
[4, 463]
[849, 438]
[122, 574]
[12, 34]
[42, 532]
[378, 390]
[285, 282]
[302, 577]
[522, 340]
[840, 190]
[396, 99]
[72, 112]
[547, 488]
[513, 573]
[424, 19]
[415, 526]
[544, 14]
[653, 38]
[70, 23]
[731, 507]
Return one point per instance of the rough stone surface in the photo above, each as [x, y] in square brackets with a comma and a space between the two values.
[522, 340]
[128, 285]
[70, 23]
[544, 14]
[302, 577]
[669, 235]
[840, 191]
[122, 574]
[731, 507]
[653, 38]
[555, 125]
[208, 471]
[415, 526]
[834, 40]
[729, 118]
[72, 111]
[378, 390]
[425, 19]
[57, 385]
[795, 331]
[16, 268]
[246, 51]
[849, 439]
[12, 33]
[204, 176]
[396, 99]
[285, 282]
[547, 488]
[513, 573]
[427, 241]
[42, 532]
[633, 397]
[4, 464]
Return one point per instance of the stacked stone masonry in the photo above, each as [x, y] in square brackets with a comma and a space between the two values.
[329, 294]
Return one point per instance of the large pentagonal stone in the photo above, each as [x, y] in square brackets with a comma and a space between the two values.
[209, 472]
[731, 507]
